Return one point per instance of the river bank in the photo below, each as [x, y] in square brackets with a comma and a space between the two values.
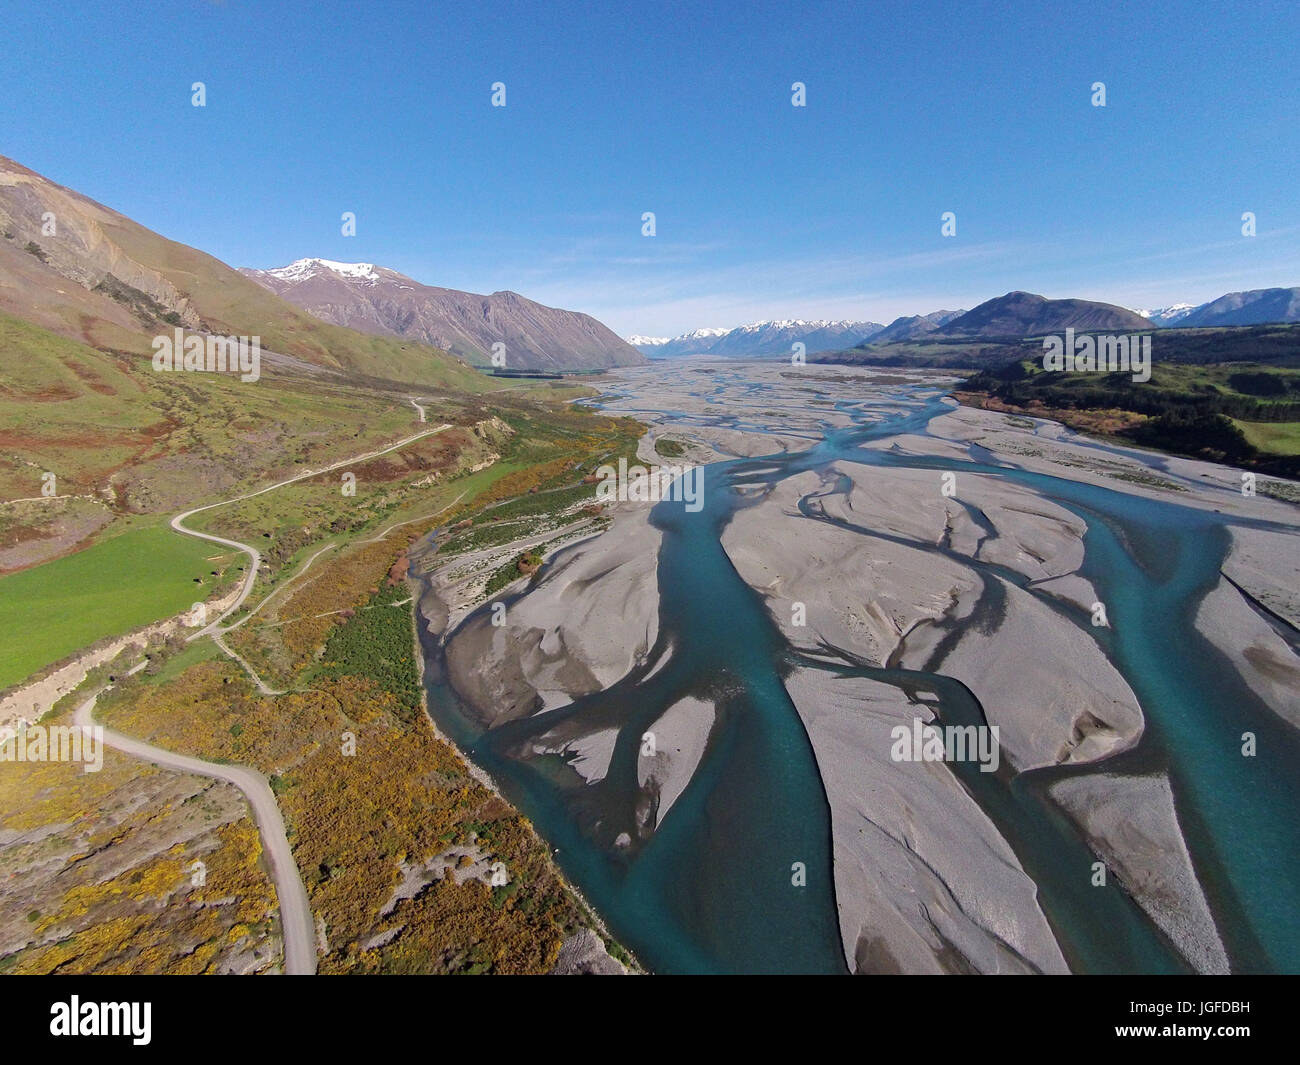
[686, 626]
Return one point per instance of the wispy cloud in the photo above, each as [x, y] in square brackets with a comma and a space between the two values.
[661, 286]
[677, 287]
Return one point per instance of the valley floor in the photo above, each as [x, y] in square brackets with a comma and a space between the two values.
[372, 846]
[899, 543]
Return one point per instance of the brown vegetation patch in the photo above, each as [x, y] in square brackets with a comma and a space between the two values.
[397, 572]
[433, 454]
[53, 394]
[1100, 422]
[31, 538]
[92, 379]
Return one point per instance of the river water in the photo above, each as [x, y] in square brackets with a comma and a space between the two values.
[712, 891]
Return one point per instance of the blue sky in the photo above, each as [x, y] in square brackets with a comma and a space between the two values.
[763, 210]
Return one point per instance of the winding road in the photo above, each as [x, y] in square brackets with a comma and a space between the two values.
[255, 557]
[295, 910]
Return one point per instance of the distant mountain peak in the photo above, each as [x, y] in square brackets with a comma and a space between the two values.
[914, 326]
[105, 280]
[1167, 316]
[374, 299]
[769, 337]
[1021, 314]
[1254, 307]
[301, 269]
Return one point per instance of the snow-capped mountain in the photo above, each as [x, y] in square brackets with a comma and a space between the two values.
[1255, 307]
[303, 269]
[374, 299]
[759, 338]
[1166, 316]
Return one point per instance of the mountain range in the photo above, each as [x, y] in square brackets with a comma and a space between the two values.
[82, 270]
[1255, 307]
[759, 338]
[1016, 314]
[1022, 314]
[911, 326]
[1258, 306]
[374, 299]
[86, 272]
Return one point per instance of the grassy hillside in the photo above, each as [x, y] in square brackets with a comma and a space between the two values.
[130, 447]
[147, 442]
[232, 304]
[1243, 413]
[68, 409]
[107, 280]
[1276, 345]
[343, 633]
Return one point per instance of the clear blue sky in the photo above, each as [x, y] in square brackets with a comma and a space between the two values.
[763, 210]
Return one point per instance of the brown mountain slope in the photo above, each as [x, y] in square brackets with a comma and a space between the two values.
[1022, 314]
[910, 327]
[83, 270]
[374, 299]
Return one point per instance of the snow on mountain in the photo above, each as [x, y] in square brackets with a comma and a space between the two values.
[375, 299]
[1254, 307]
[786, 323]
[772, 337]
[1175, 312]
[703, 334]
[302, 269]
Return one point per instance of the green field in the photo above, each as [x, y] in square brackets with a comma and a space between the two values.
[119, 584]
[1244, 414]
[1278, 438]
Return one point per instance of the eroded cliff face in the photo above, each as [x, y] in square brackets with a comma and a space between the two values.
[46, 229]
